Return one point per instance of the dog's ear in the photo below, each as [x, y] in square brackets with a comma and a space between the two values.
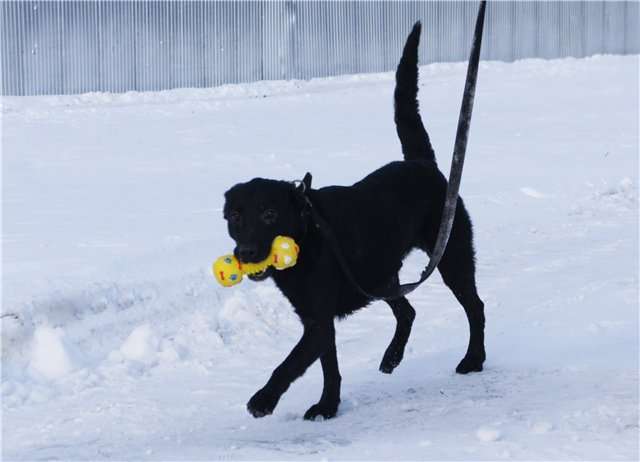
[301, 187]
[305, 184]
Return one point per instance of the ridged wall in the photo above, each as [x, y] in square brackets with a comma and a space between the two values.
[62, 47]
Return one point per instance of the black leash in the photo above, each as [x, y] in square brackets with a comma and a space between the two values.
[451, 199]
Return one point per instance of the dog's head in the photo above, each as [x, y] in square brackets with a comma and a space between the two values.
[258, 211]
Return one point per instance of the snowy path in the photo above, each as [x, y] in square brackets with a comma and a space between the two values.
[117, 344]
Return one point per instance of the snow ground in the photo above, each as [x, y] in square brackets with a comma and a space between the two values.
[118, 344]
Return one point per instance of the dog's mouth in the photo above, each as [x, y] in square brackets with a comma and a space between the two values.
[262, 275]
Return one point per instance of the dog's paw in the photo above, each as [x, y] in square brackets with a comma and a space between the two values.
[262, 403]
[470, 364]
[324, 410]
[391, 359]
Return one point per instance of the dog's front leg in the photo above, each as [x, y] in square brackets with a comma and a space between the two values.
[327, 407]
[315, 340]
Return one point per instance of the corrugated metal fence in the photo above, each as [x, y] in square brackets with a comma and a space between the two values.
[61, 47]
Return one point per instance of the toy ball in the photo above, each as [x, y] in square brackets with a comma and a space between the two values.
[284, 251]
[228, 271]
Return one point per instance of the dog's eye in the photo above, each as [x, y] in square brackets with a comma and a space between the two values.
[269, 216]
[235, 218]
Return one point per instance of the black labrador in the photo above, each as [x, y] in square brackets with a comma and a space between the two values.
[377, 221]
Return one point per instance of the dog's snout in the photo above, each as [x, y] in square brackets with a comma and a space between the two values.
[247, 253]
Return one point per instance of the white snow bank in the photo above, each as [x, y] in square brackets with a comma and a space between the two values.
[256, 315]
[141, 345]
[37, 107]
[49, 356]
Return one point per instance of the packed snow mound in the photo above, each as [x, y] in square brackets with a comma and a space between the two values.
[49, 356]
[256, 315]
[141, 345]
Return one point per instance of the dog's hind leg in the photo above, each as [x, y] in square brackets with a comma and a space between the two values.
[458, 269]
[405, 314]
[327, 407]
[463, 287]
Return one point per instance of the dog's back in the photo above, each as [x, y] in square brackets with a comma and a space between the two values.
[379, 219]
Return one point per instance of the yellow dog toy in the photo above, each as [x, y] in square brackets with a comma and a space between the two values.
[284, 254]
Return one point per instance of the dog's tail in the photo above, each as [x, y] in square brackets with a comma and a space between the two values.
[413, 137]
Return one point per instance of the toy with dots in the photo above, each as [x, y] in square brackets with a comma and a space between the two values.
[228, 271]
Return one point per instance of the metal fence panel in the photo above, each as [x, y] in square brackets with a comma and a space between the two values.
[79, 47]
[67, 46]
[116, 50]
[614, 24]
[594, 28]
[12, 49]
[571, 22]
[41, 29]
[525, 25]
[548, 32]
[631, 27]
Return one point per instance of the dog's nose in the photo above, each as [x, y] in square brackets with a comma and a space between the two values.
[247, 253]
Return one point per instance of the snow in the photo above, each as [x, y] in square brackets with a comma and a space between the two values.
[532, 193]
[142, 345]
[488, 434]
[117, 342]
[49, 357]
[542, 427]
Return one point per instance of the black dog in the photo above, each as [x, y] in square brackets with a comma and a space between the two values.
[376, 222]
